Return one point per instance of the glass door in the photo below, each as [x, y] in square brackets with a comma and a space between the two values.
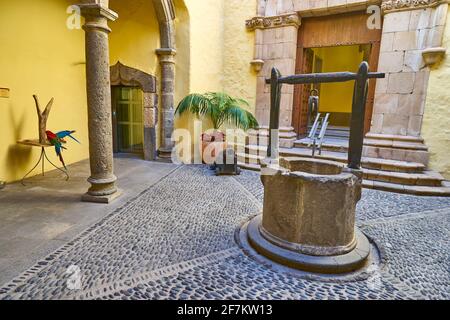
[127, 110]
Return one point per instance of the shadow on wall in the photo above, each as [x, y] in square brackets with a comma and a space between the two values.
[18, 156]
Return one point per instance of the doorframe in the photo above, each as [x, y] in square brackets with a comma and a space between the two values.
[115, 122]
[122, 75]
[374, 40]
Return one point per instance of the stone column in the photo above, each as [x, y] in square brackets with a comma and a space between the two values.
[103, 188]
[167, 61]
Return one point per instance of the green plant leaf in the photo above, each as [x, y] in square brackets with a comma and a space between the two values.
[219, 107]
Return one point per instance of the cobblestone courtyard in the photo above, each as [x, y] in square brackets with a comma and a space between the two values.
[177, 240]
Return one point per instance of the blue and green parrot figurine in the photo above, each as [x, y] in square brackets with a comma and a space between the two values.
[57, 140]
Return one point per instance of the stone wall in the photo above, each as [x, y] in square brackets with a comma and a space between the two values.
[276, 31]
[412, 32]
[276, 45]
[400, 97]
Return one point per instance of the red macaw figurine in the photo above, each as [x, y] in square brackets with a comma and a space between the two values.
[57, 140]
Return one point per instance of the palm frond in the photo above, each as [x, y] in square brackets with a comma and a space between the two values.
[219, 107]
[194, 103]
[241, 118]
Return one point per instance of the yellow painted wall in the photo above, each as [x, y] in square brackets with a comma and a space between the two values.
[183, 59]
[337, 97]
[135, 35]
[220, 51]
[39, 55]
[239, 46]
[436, 121]
[206, 44]
[183, 56]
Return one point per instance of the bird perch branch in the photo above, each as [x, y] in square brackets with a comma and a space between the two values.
[43, 116]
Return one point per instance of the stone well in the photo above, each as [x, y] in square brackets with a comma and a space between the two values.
[308, 219]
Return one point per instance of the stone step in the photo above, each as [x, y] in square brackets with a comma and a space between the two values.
[407, 145]
[368, 163]
[428, 178]
[379, 136]
[249, 158]
[329, 144]
[249, 166]
[337, 134]
[261, 137]
[442, 191]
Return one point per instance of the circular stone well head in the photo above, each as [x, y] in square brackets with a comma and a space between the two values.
[312, 166]
[309, 207]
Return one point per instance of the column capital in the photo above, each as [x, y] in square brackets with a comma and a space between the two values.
[97, 10]
[97, 16]
[166, 52]
[166, 55]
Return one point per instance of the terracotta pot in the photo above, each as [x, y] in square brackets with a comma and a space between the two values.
[212, 144]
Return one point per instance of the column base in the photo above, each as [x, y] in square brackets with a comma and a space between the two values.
[165, 153]
[102, 190]
[106, 199]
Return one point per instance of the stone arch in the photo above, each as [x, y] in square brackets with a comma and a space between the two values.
[165, 13]
[127, 76]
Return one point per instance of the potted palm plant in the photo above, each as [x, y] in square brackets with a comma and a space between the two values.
[220, 108]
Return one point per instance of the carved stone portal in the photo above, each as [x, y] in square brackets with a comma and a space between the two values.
[126, 76]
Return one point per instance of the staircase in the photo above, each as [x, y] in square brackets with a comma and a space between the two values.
[381, 174]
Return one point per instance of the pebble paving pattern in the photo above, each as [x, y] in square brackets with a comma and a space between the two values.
[176, 241]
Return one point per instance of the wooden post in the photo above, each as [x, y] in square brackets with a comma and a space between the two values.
[275, 96]
[43, 116]
[355, 144]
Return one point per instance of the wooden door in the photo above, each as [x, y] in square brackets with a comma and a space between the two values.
[303, 91]
[332, 31]
[373, 65]
[128, 128]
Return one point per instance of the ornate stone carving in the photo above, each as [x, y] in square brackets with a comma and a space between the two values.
[291, 19]
[124, 75]
[399, 5]
[257, 64]
[433, 56]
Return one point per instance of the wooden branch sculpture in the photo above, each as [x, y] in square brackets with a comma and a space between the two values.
[43, 116]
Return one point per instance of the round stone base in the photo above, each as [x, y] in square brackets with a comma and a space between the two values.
[345, 263]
